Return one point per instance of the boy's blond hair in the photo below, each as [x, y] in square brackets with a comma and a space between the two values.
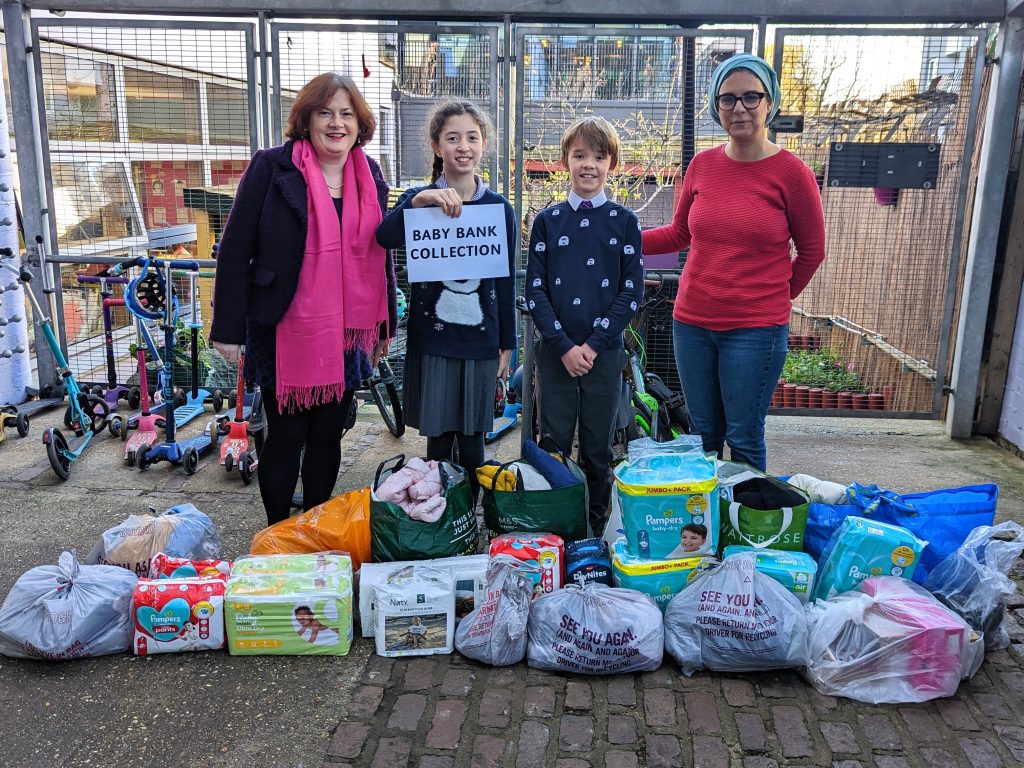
[594, 132]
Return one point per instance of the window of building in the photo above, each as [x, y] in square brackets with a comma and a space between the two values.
[160, 185]
[79, 99]
[161, 109]
[227, 111]
[93, 203]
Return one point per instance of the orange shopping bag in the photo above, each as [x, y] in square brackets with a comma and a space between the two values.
[340, 524]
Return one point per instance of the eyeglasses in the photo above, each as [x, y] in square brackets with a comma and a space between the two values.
[750, 99]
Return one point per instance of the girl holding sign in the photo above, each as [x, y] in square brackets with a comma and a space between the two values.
[461, 331]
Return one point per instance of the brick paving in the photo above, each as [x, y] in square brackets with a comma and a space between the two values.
[449, 711]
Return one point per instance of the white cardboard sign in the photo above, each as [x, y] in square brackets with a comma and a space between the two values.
[438, 247]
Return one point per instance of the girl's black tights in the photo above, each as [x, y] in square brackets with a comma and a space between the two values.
[470, 453]
[318, 430]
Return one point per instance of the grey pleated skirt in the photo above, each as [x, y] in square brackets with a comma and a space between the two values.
[446, 394]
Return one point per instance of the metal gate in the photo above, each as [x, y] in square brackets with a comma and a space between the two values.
[889, 119]
[133, 116]
[134, 113]
[403, 70]
[650, 84]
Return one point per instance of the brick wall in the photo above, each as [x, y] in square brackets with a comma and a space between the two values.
[1011, 421]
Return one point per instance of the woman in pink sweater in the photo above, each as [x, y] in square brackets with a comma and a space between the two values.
[750, 213]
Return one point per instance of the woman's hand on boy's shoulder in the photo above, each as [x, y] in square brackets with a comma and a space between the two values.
[448, 200]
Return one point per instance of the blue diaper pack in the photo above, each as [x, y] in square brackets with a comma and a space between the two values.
[666, 504]
[860, 548]
[661, 579]
[793, 570]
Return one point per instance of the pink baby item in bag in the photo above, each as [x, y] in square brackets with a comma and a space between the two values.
[889, 642]
[937, 642]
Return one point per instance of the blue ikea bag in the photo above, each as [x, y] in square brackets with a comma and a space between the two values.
[943, 518]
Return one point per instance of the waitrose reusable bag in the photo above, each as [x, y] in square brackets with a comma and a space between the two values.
[764, 513]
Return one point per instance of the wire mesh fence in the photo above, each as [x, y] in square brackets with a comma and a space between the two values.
[874, 320]
[150, 126]
[137, 116]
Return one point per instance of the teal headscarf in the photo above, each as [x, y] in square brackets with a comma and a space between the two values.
[760, 69]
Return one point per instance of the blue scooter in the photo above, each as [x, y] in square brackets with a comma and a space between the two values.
[88, 414]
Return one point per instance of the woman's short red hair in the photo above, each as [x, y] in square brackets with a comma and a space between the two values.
[317, 93]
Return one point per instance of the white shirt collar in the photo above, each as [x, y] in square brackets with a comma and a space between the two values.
[598, 200]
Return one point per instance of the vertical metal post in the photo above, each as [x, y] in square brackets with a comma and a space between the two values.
[250, 74]
[689, 125]
[35, 211]
[266, 139]
[958, 226]
[504, 144]
[981, 254]
[762, 34]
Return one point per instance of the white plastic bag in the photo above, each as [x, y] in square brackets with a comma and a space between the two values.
[495, 632]
[181, 531]
[974, 580]
[595, 630]
[889, 642]
[68, 611]
[736, 619]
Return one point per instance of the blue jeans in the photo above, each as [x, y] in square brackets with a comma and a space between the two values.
[728, 378]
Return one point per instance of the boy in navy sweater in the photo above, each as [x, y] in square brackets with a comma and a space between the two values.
[584, 282]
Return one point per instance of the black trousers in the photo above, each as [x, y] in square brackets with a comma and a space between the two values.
[318, 430]
[590, 402]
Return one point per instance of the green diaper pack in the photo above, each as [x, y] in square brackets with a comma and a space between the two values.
[295, 605]
[793, 570]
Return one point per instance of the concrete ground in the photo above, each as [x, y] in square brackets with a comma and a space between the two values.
[212, 709]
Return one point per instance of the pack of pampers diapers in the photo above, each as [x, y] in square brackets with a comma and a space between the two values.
[666, 505]
[293, 605]
[793, 570]
[175, 614]
[861, 548]
[661, 579]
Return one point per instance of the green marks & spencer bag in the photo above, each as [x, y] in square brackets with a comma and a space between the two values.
[396, 536]
[562, 511]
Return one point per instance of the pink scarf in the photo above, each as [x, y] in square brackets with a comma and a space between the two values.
[341, 299]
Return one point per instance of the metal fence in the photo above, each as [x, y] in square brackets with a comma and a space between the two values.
[875, 320]
[147, 127]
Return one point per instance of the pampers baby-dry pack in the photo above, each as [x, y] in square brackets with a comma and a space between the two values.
[860, 548]
[666, 504]
[661, 579]
[176, 614]
[793, 570]
[294, 605]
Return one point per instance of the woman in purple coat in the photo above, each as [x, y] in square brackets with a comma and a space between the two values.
[303, 284]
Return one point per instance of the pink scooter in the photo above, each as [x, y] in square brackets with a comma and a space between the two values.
[145, 426]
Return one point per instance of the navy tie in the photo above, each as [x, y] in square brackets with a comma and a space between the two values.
[586, 204]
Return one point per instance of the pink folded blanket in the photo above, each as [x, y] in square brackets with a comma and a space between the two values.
[416, 488]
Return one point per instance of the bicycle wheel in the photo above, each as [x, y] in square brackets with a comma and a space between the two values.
[390, 406]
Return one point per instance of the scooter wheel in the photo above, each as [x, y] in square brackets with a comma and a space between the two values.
[142, 460]
[67, 417]
[190, 460]
[229, 463]
[134, 398]
[56, 444]
[180, 398]
[21, 422]
[129, 458]
[245, 467]
[160, 423]
[97, 390]
[232, 399]
[217, 399]
[115, 426]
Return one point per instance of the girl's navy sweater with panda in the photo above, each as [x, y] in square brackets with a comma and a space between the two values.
[584, 276]
[467, 319]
